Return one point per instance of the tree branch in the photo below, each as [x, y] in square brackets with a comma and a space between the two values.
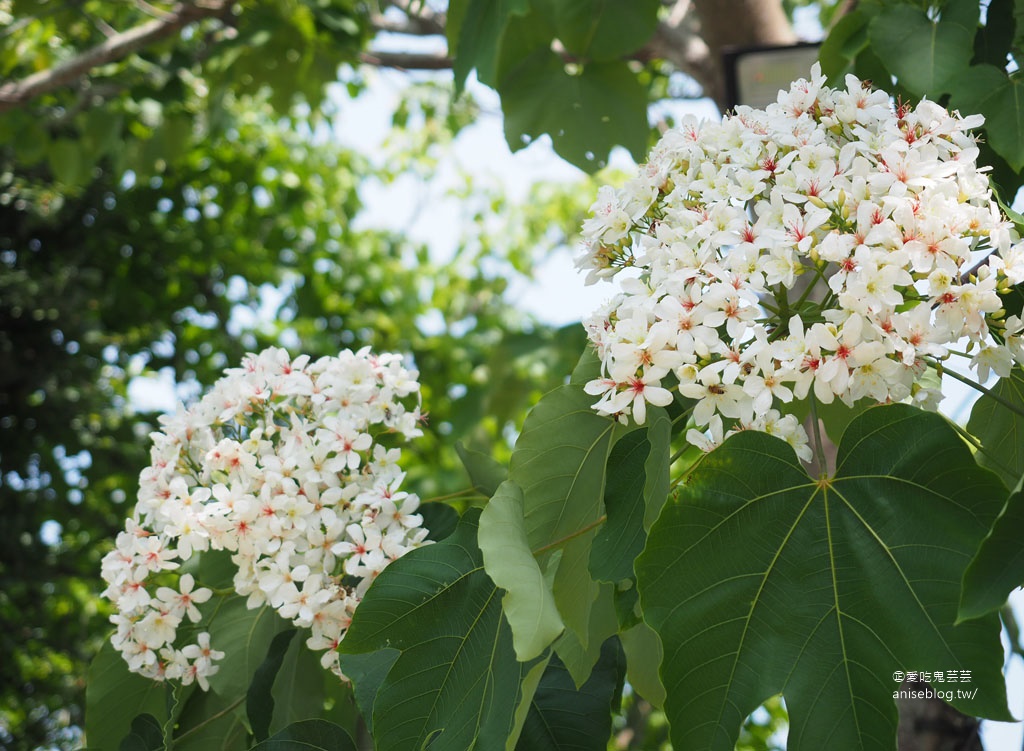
[406, 60]
[424, 19]
[111, 50]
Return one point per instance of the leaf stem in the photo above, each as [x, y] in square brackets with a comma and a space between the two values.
[685, 413]
[819, 445]
[819, 274]
[986, 391]
[679, 454]
[449, 496]
[572, 535]
[981, 448]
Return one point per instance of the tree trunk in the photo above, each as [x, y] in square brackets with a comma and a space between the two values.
[933, 725]
[739, 23]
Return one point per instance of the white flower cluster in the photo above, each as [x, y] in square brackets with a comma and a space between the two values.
[281, 466]
[833, 244]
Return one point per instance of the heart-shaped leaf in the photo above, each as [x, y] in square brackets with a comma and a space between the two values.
[924, 53]
[456, 683]
[760, 580]
[998, 568]
[1000, 98]
[562, 716]
[114, 697]
[1001, 430]
[309, 735]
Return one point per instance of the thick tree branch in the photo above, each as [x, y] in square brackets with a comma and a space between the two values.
[406, 60]
[111, 50]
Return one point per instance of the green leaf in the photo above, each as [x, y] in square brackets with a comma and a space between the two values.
[762, 581]
[585, 113]
[146, 734]
[622, 537]
[578, 656]
[605, 30]
[563, 717]
[114, 697]
[296, 693]
[244, 636]
[924, 55]
[1018, 33]
[439, 519]
[643, 659]
[456, 683]
[844, 42]
[658, 468]
[587, 368]
[998, 567]
[528, 603]
[1001, 430]
[559, 463]
[68, 162]
[480, 29]
[993, 40]
[309, 735]
[484, 471]
[100, 131]
[530, 684]
[210, 722]
[367, 672]
[259, 700]
[1000, 98]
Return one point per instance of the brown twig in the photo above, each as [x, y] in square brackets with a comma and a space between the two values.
[115, 48]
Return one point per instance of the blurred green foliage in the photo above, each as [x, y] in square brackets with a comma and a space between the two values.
[186, 205]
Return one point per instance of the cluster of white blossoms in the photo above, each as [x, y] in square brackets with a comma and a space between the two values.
[280, 466]
[832, 245]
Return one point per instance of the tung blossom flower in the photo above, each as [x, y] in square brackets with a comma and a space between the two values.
[825, 248]
[267, 468]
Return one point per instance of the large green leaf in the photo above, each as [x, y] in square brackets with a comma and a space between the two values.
[1000, 98]
[580, 655]
[529, 604]
[605, 29]
[114, 697]
[658, 467]
[146, 734]
[297, 693]
[259, 699]
[367, 672]
[244, 636]
[622, 537]
[998, 568]
[456, 684]
[760, 580]
[481, 25]
[309, 735]
[564, 717]
[210, 722]
[585, 112]
[1001, 430]
[643, 657]
[845, 40]
[635, 491]
[559, 463]
[923, 53]
[993, 40]
[484, 471]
